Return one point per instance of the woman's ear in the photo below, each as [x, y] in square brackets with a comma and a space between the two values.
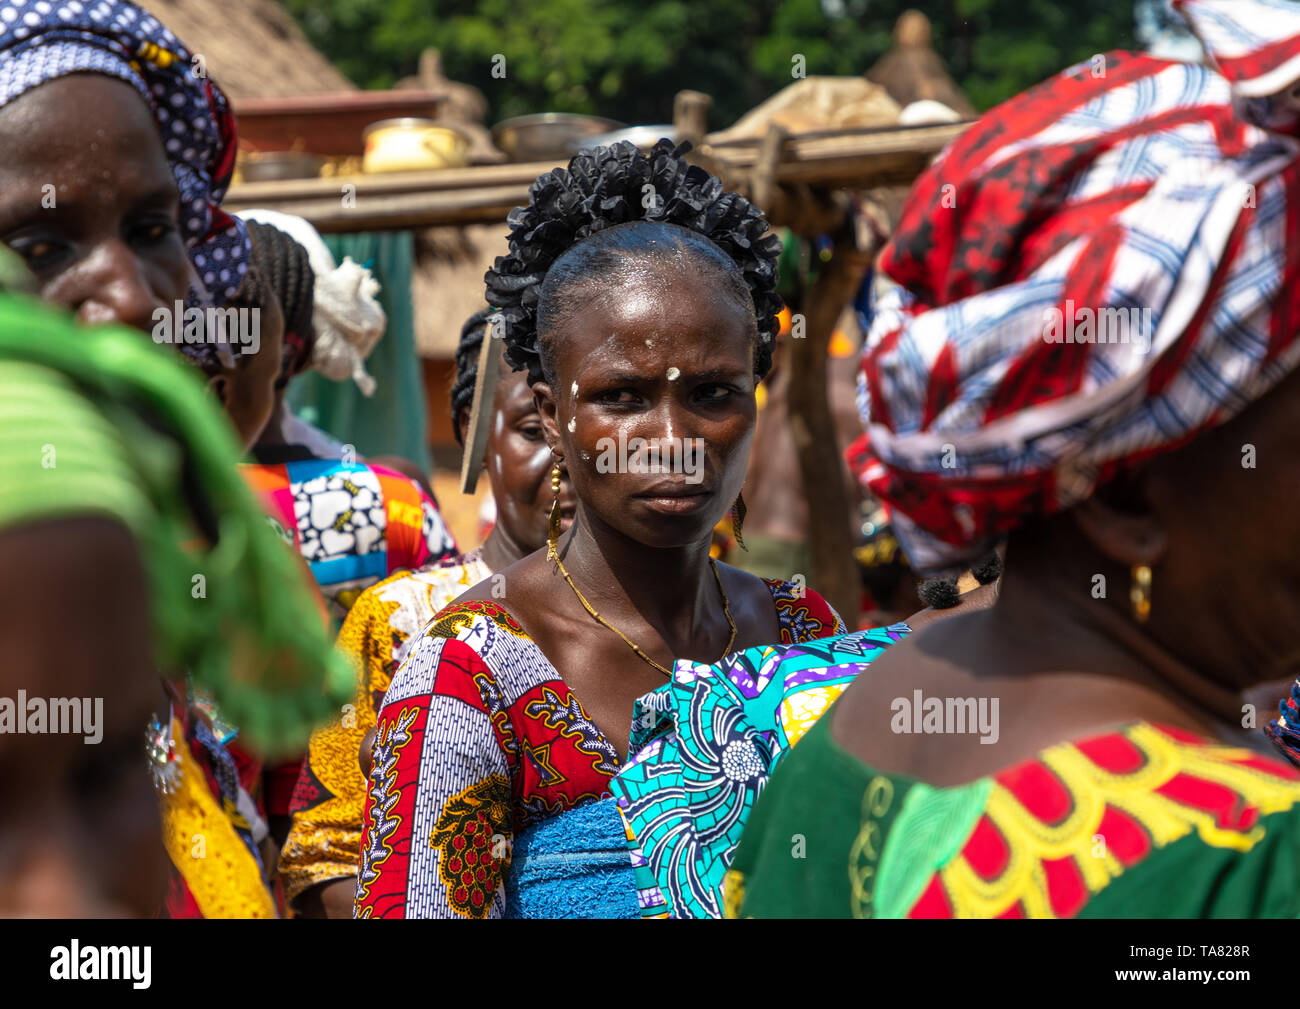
[1127, 536]
[546, 408]
[219, 386]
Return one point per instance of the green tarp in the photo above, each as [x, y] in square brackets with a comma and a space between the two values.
[392, 422]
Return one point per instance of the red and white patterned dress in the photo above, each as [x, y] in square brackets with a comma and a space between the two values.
[478, 738]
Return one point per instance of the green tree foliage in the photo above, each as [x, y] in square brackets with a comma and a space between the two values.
[627, 58]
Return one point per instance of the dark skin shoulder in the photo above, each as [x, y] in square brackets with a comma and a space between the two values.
[1047, 692]
[1061, 650]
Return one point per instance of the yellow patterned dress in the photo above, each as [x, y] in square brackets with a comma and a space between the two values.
[325, 839]
[1144, 821]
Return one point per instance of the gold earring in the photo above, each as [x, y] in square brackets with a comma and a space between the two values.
[1140, 593]
[553, 536]
[738, 521]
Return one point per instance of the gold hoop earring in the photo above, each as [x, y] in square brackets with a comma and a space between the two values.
[553, 534]
[1140, 593]
[738, 521]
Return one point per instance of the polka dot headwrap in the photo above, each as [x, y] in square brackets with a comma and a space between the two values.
[43, 40]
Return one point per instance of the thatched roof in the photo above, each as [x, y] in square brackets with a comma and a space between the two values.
[815, 104]
[447, 284]
[252, 48]
[912, 71]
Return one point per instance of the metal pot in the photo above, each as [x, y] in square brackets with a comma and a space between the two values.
[548, 136]
[644, 137]
[409, 144]
[268, 166]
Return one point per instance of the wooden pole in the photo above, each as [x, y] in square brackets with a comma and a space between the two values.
[691, 116]
[764, 192]
[830, 536]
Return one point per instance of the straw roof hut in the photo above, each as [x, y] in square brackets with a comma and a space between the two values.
[447, 284]
[252, 47]
[912, 71]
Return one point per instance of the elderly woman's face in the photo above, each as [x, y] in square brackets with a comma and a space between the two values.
[654, 407]
[88, 201]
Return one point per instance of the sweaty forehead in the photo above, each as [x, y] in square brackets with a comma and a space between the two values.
[514, 396]
[84, 128]
[668, 308]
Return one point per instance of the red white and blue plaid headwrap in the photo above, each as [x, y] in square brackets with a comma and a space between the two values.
[42, 40]
[1127, 182]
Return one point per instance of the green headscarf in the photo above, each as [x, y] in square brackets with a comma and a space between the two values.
[14, 276]
[101, 420]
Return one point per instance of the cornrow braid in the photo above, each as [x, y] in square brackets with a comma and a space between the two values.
[603, 188]
[286, 268]
[467, 352]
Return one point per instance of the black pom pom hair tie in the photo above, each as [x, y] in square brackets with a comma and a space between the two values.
[941, 591]
[604, 187]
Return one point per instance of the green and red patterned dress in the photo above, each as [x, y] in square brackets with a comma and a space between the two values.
[478, 739]
[1144, 821]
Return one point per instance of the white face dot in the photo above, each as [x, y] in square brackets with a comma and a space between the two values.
[573, 390]
[649, 343]
[573, 424]
[674, 374]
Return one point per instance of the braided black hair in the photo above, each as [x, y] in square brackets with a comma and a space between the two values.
[663, 203]
[467, 352]
[286, 268]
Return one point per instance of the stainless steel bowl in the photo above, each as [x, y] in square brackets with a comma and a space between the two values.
[274, 166]
[644, 137]
[548, 136]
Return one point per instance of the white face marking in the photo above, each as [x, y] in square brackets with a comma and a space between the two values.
[573, 391]
[674, 374]
[586, 456]
[649, 343]
[573, 424]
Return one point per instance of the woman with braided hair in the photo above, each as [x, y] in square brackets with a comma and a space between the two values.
[640, 299]
[354, 522]
[319, 861]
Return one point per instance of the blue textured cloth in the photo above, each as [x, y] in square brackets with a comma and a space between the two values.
[703, 748]
[575, 865]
